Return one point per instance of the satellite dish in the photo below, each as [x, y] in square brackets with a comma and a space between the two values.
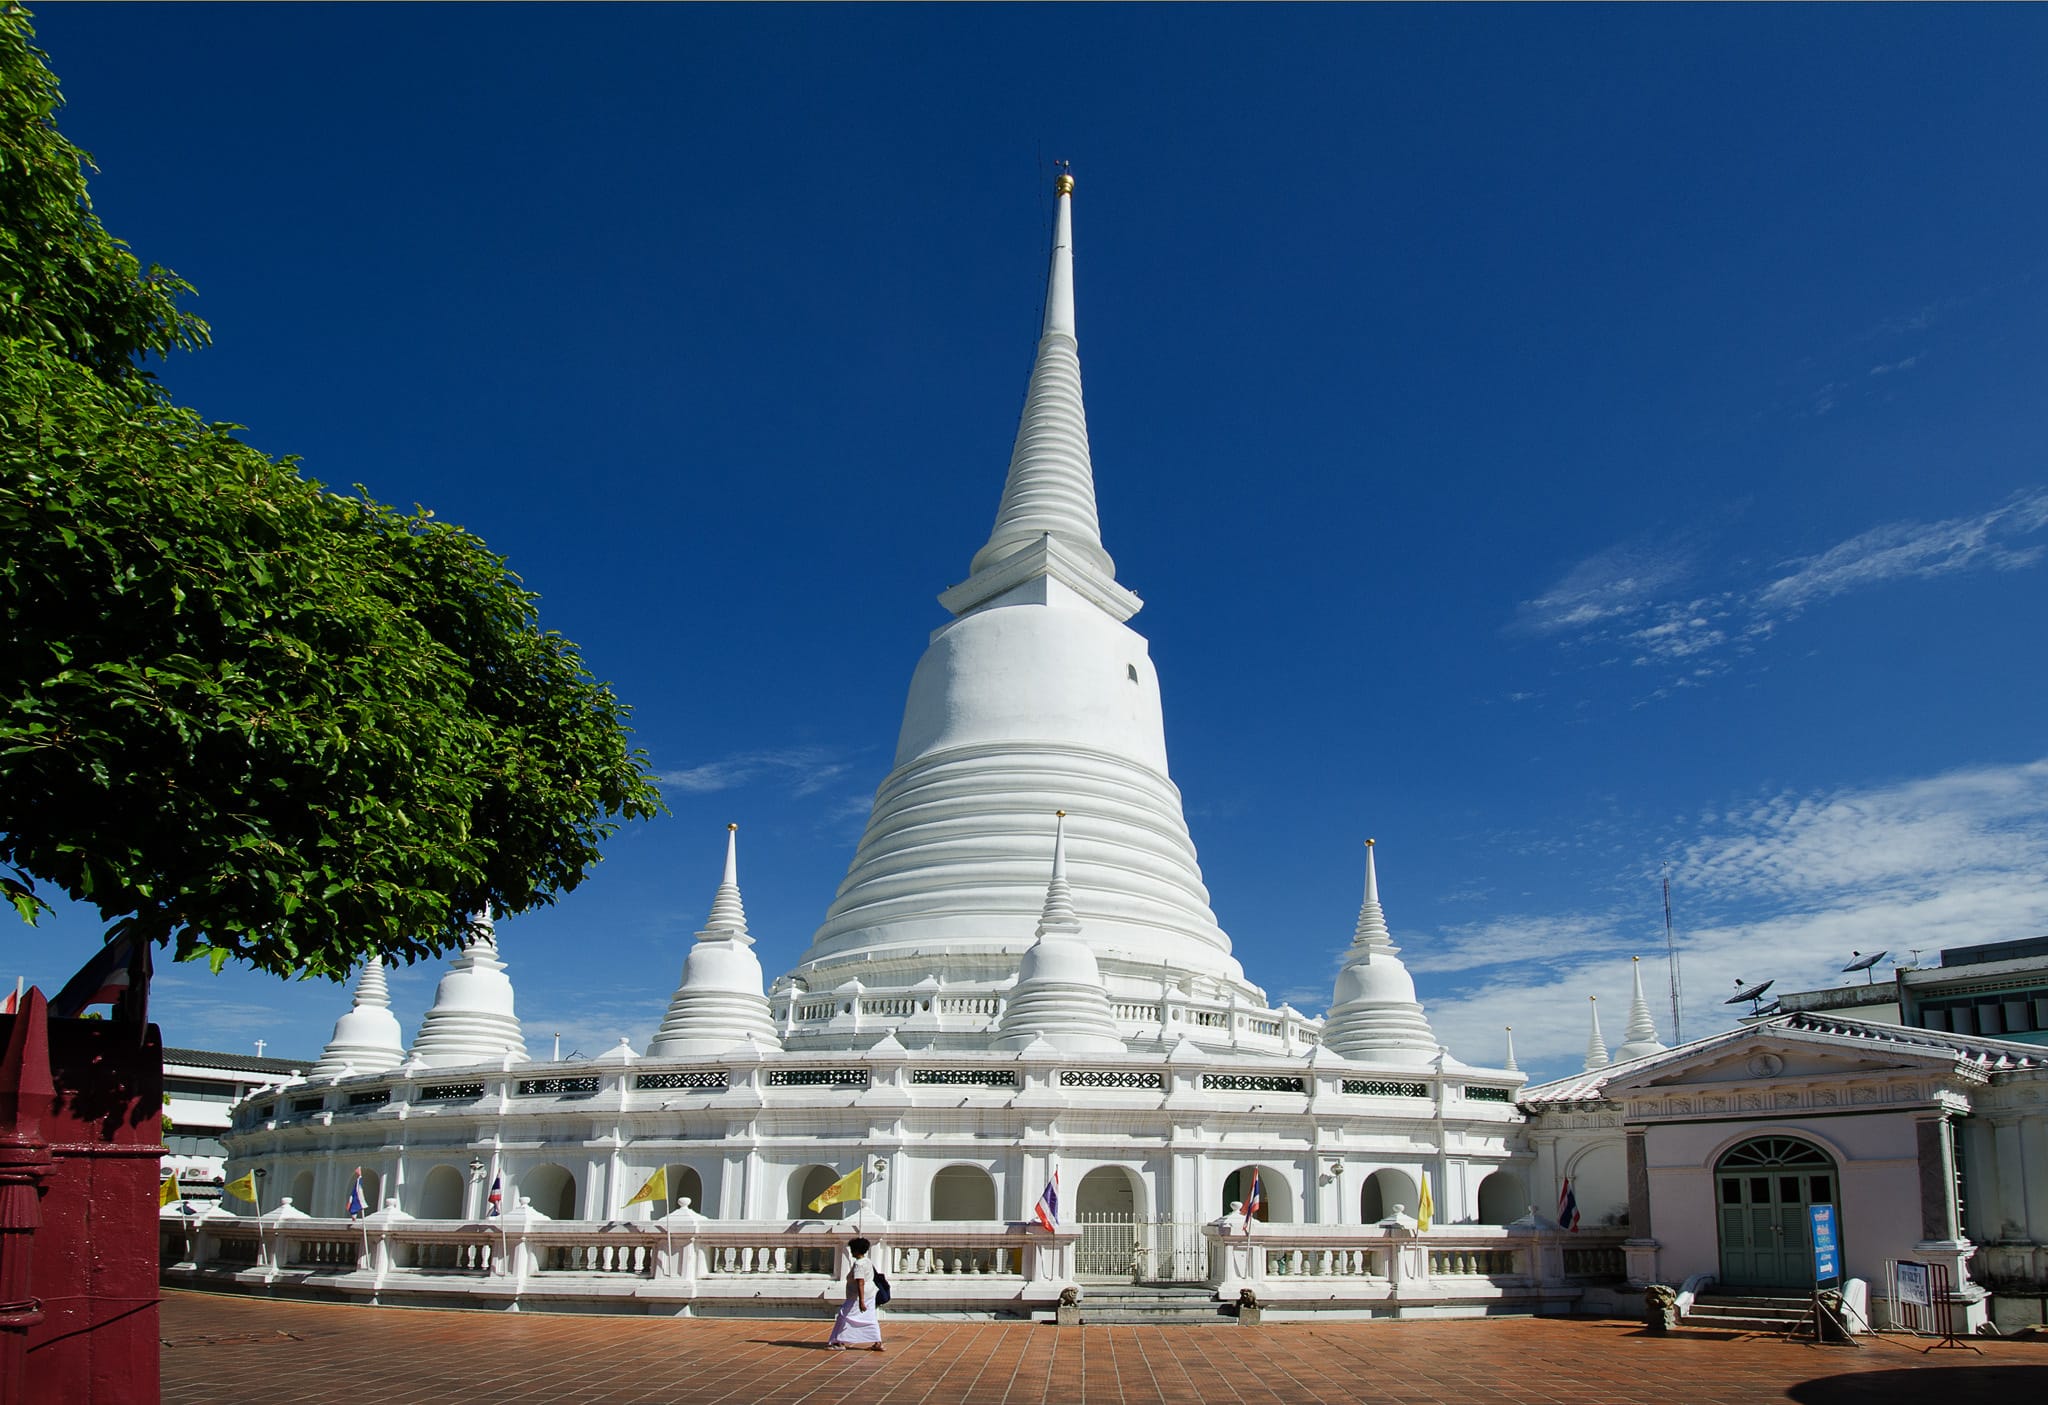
[1748, 992]
[1864, 963]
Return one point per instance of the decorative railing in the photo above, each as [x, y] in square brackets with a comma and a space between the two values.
[449, 1092]
[1111, 1078]
[574, 1086]
[1467, 1261]
[817, 1078]
[990, 1005]
[1135, 1014]
[1596, 1261]
[1254, 1083]
[716, 1078]
[1483, 1094]
[1384, 1088]
[998, 1265]
[370, 1097]
[898, 1006]
[964, 1077]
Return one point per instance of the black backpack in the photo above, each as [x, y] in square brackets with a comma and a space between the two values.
[882, 1293]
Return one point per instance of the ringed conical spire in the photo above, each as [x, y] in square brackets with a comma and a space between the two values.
[1035, 695]
[1374, 1015]
[471, 1020]
[1050, 488]
[718, 1002]
[1596, 1047]
[1059, 996]
[1640, 1037]
[367, 1039]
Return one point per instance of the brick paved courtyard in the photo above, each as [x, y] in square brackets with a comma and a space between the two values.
[228, 1350]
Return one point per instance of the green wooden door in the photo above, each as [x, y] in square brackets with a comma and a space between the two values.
[1763, 1189]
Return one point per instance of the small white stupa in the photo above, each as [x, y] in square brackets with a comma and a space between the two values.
[1374, 1015]
[1059, 996]
[1640, 1037]
[367, 1039]
[1509, 1062]
[471, 1020]
[719, 1002]
[1596, 1047]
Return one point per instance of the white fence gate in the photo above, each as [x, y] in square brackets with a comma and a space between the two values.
[1115, 1244]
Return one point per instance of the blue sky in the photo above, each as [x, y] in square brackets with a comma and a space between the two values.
[1559, 443]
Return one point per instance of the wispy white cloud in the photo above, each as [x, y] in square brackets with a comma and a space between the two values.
[1783, 888]
[804, 770]
[1646, 605]
[1890, 367]
[1619, 583]
[1915, 550]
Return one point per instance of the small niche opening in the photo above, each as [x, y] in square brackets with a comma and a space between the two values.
[1131, 671]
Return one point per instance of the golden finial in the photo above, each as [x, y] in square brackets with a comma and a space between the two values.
[1061, 814]
[730, 827]
[1370, 842]
[1594, 999]
[1064, 183]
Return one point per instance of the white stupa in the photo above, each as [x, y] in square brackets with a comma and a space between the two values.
[367, 1039]
[1374, 1015]
[471, 1020]
[1596, 1047]
[720, 1001]
[1035, 695]
[1059, 996]
[1640, 1037]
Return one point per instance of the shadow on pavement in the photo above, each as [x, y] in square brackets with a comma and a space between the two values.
[1913, 1384]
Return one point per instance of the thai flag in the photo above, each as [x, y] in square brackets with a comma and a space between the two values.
[1253, 1201]
[100, 981]
[497, 1196]
[355, 1197]
[1568, 1207]
[1048, 1207]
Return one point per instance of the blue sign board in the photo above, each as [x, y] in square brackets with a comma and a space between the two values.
[1827, 1255]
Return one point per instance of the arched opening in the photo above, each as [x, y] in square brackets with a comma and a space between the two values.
[1763, 1190]
[441, 1194]
[806, 1186]
[1386, 1191]
[302, 1193]
[1276, 1200]
[684, 1184]
[1106, 1207]
[552, 1189]
[1502, 1198]
[963, 1193]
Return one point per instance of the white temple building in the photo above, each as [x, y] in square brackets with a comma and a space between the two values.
[1020, 979]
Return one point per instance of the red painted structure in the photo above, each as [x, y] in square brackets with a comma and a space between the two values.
[81, 1122]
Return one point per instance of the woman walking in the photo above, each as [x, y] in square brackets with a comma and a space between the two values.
[859, 1324]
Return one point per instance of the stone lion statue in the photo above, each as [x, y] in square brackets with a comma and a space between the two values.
[1070, 1297]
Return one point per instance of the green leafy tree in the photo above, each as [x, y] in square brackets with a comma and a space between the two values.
[243, 716]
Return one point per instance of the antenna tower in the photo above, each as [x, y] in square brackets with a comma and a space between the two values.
[1671, 956]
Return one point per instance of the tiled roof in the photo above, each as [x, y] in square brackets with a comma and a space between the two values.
[1991, 1055]
[234, 1063]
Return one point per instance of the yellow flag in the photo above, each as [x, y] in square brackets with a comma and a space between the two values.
[1428, 1211]
[655, 1189]
[242, 1189]
[168, 1193]
[847, 1187]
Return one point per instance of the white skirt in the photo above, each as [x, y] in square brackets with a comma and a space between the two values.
[854, 1327]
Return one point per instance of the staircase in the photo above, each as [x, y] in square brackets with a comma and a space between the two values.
[1750, 1312]
[1146, 1304]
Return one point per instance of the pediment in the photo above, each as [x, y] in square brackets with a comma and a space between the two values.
[1778, 1055]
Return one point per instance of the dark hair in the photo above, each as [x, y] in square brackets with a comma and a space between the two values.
[857, 1247]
